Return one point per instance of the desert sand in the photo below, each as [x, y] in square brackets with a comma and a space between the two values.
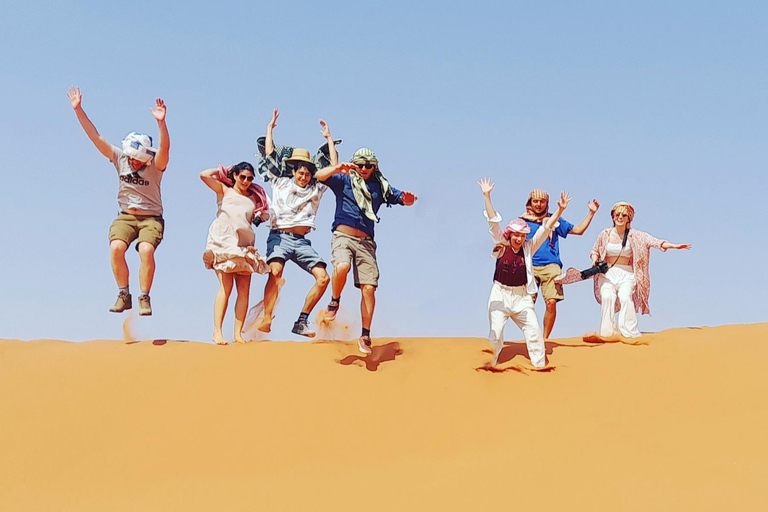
[677, 424]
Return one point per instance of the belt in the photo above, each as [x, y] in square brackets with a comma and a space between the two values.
[281, 232]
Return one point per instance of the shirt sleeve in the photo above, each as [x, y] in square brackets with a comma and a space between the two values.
[396, 197]
[539, 237]
[495, 227]
[335, 183]
[564, 228]
[116, 154]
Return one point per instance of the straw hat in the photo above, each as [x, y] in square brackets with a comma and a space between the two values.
[300, 155]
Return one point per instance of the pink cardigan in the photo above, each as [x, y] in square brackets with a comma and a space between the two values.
[641, 244]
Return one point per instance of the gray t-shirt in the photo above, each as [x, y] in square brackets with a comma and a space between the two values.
[139, 191]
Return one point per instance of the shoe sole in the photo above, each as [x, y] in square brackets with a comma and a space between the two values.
[307, 334]
[145, 313]
[364, 348]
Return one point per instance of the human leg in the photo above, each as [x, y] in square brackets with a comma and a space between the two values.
[607, 306]
[552, 291]
[271, 290]
[220, 305]
[627, 315]
[243, 284]
[117, 250]
[498, 314]
[525, 317]
[317, 290]
[342, 263]
[550, 314]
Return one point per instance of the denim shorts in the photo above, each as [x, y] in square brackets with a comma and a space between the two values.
[287, 246]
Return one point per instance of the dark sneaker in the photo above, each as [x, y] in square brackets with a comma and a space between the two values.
[331, 310]
[364, 344]
[145, 308]
[301, 328]
[122, 303]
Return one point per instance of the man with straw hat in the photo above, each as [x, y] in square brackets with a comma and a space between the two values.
[546, 261]
[140, 168]
[360, 191]
[296, 198]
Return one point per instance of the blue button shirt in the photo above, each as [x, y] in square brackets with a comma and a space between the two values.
[347, 211]
[549, 252]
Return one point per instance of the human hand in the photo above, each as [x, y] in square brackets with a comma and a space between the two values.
[408, 198]
[682, 246]
[486, 186]
[565, 198]
[159, 111]
[593, 206]
[345, 167]
[75, 97]
[326, 131]
[273, 122]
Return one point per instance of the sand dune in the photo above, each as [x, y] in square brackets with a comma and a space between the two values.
[678, 424]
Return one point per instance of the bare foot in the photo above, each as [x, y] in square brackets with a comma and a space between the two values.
[218, 338]
[265, 325]
[240, 339]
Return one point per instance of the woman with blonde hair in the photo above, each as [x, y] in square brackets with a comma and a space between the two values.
[626, 285]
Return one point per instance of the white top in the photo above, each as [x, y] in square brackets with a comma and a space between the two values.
[139, 191]
[293, 206]
[614, 250]
[529, 246]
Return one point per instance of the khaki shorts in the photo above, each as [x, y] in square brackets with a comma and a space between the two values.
[360, 253]
[145, 228]
[545, 278]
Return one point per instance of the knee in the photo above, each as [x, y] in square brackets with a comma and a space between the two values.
[117, 247]
[368, 289]
[323, 279]
[342, 268]
[552, 306]
[276, 272]
[146, 251]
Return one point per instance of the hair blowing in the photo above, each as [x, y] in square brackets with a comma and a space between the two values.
[238, 168]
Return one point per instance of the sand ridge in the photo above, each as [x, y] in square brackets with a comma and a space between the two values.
[676, 424]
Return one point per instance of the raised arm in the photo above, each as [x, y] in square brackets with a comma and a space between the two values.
[326, 172]
[209, 178]
[333, 155]
[76, 98]
[487, 187]
[269, 143]
[163, 152]
[562, 204]
[582, 226]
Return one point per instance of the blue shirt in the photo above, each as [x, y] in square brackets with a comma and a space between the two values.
[348, 213]
[549, 252]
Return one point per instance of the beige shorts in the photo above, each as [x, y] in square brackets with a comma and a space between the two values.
[360, 253]
[145, 228]
[545, 278]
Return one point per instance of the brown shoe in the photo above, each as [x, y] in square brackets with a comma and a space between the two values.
[122, 303]
[145, 308]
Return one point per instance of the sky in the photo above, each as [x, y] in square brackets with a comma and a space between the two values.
[659, 103]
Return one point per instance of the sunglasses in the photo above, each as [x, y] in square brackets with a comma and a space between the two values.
[244, 178]
[618, 214]
[367, 166]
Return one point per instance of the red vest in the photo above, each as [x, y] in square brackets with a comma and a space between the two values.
[510, 269]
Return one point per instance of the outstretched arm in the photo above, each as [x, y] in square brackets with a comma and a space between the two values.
[487, 187]
[326, 172]
[269, 143]
[582, 226]
[562, 204]
[333, 155]
[669, 245]
[76, 98]
[163, 153]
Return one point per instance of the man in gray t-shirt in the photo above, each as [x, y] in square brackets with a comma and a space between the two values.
[140, 169]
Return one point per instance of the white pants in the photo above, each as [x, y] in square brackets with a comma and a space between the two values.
[619, 282]
[514, 302]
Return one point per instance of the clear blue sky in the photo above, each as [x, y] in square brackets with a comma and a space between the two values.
[659, 103]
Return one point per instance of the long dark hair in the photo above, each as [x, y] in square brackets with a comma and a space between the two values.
[237, 169]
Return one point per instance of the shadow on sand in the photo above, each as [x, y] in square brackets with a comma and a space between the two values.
[512, 350]
[380, 354]
[157, 343]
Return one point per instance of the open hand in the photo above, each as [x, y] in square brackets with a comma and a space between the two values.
[408, 198]
[273, 122]
[75, 97]
[345, 167]
[593, 206]
[565, 198]
[486, 186]
[326, 131]
[159, 111]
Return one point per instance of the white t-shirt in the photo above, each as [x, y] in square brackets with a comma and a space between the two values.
[292, 205]
[139, 191]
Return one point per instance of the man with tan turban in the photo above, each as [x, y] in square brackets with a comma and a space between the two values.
[546, 261]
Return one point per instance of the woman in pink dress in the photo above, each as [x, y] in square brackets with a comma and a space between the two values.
[230, 247]
[626, 286]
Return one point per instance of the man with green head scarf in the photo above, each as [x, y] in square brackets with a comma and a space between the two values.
[360, 190]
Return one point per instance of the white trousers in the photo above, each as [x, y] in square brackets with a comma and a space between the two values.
[514, 302]
[618, 282]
